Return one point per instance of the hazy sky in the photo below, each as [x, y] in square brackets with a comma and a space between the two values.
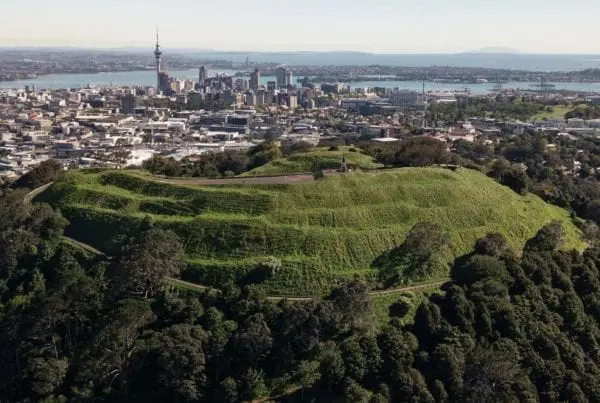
[415, 26]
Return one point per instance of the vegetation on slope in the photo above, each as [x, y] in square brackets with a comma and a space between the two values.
[82, 327]
[321, 158]
[323, 232]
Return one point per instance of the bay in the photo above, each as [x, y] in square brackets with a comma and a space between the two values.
[148, 78]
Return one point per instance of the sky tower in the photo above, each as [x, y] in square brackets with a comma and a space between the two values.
[157, 55]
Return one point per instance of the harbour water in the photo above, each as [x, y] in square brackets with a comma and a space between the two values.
[148, 78]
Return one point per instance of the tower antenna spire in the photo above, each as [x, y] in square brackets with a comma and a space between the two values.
[157, 56]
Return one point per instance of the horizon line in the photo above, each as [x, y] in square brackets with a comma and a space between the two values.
[482, 51]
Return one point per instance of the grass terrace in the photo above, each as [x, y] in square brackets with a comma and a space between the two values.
[323, 231]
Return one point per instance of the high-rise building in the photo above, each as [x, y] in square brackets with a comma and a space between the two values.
[288, 78]
[157, 56]
[128, 103]
[250, 98]
[164, 83]
[281, 75]
[254, 79]
[241, 84]
[202, 74]
[260, 98]
[292, 101]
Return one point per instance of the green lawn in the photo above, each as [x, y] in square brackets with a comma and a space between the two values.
[558, 112]
[324, 231]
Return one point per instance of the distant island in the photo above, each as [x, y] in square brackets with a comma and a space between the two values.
[497, 50]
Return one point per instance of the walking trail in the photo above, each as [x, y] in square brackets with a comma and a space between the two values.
[281, 179]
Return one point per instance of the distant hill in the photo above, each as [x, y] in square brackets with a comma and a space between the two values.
[496, 49]
[322, 231]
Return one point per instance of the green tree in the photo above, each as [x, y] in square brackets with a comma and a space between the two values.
[548, 239]
[181, 361]
[46, 172]
[253, 384]
[146, 263]
[425, 252]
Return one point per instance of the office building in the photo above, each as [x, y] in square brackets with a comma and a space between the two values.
[288, 79]
[255, 80]
[128, 103]
[281, 74]
[202, 75]
[241, 84]
[260, 98]
[250, 98]
[164, 83]
[408, 100]
[292, 101]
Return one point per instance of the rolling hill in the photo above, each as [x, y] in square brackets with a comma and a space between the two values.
[318, 159]
[323, 231]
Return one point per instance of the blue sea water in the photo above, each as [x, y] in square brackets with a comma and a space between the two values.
[509, 61]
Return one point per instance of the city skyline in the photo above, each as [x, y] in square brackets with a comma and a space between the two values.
[384, 26]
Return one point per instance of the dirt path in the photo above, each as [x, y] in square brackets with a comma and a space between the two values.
[201, 287]
[84, 246]
[262, 180]
[31, 195]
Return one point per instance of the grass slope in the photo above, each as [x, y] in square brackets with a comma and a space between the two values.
[316, 160]
[323, 231]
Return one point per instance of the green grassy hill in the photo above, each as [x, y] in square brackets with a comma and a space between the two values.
[316, 160]
[323, 231]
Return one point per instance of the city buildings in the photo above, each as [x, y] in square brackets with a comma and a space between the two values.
[182, 116]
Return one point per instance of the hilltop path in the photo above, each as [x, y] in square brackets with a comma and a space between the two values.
[259, 180]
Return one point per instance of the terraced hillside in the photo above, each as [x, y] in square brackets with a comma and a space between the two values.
[318, 159]
[322, 231]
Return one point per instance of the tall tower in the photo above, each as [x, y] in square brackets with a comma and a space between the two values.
[157, 56]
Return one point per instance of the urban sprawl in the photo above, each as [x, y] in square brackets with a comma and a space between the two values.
[122, 126]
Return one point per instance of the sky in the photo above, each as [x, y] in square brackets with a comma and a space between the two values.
[377, 26]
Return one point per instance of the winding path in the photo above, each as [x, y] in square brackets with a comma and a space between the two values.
[210, 290]
[31, 195]
[35, 192]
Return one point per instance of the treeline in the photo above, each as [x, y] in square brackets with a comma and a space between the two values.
[80, 327]
[512, 107]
